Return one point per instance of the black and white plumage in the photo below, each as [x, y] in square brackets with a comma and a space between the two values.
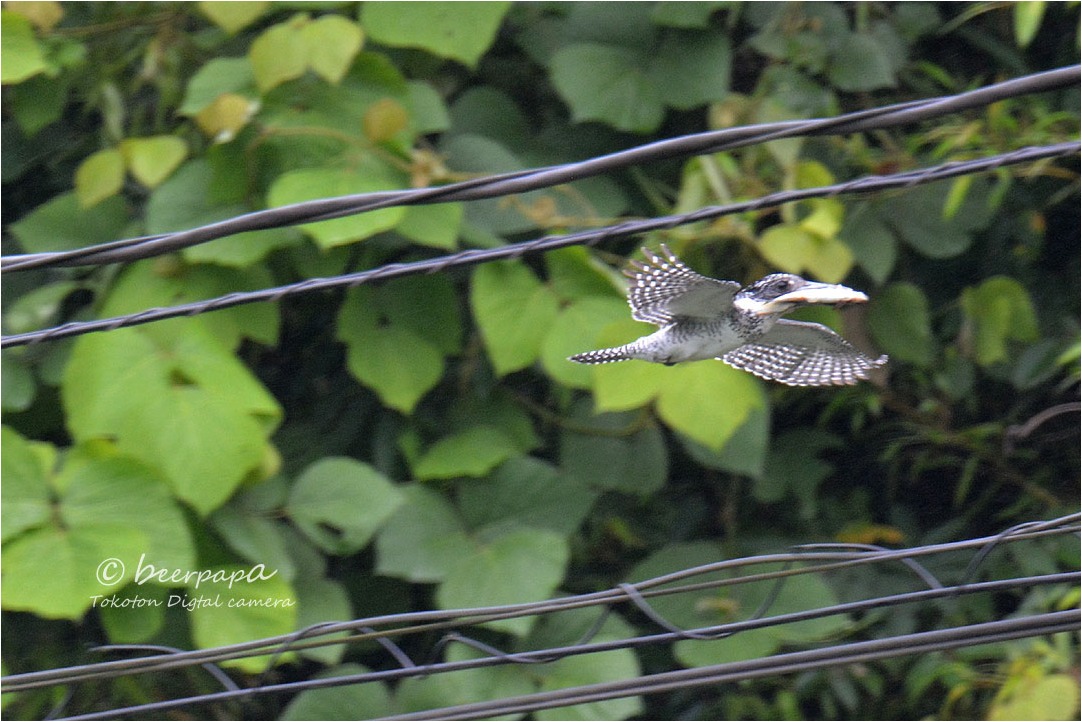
[704, 318]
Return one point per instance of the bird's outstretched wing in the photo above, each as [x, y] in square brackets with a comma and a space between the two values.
[803, 354]
[664, 288]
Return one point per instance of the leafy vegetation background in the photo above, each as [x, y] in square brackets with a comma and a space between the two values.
[424, 443]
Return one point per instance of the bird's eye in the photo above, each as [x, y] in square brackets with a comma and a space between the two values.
[782, 284]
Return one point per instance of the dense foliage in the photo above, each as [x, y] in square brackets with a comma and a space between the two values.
[424, 443]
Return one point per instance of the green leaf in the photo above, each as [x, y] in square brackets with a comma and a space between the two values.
[232, 612]
[959, 189]
[423, 540]
[796, 594]
[711, 56]
[256, 538]
[576, 324]
[39, 101]
[500, 410]
[473, 452]
[787, 247]
[115, 490]
[18, 385]
[1054, 696]
[708, 400]
[51, 571]
[345, 702]
[900, 321]
[339, 503]
[24, 495]
[279, 54]
[860, 64]
[918, 217]
[514, 311]
[607, 84]
[98, 177]
[151, 283]
[152, 160]
[435, 226]
[135, 614]
[427, 110]
[184, 201]
[332, 42]
[576, 274]
[617, 665]
[526, 491]
[469, 153]
[794, 249]
[628, 385]
[184, 405]
[427, 305]
[316, 183]
[568, 628]
[20, 54]
[319, 601]
[233, 16]
[874, 247]
[397, 363]
[518, 566]
[215, 78]
[614, 451]
[1027, 21]
[463, 31]
[61, 224]
[745, 451]
[416, 694]
[997, 311]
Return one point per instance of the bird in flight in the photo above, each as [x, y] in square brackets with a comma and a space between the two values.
[704, 318]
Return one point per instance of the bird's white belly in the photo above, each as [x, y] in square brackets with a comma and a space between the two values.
[674, 345]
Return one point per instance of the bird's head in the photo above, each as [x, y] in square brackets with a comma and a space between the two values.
[781, 292]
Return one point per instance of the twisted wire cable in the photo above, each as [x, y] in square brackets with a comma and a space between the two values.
[526, 180]
[860, 186]
[653, 587]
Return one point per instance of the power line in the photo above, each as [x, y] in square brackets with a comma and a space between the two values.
[526, 180]
[832, 557]
[860, 186]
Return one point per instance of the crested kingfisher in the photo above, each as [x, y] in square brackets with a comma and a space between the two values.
[704, 318]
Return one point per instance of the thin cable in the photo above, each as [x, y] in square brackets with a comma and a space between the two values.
[864, 185]
[635, 642]
[526, 180]
[839, 655]
[444, 619]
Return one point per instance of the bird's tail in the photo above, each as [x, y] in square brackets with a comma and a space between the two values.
[602, 356]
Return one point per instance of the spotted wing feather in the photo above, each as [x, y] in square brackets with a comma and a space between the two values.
[803, 354]
[663, 289]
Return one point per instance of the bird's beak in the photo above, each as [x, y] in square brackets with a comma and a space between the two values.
[817, 293]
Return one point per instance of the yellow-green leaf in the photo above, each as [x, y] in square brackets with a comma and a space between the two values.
[708, 400]
[44, 15]
[830, 261]
[956, 196]
[20, 55]
[99, 176]
[152, 160]
[384, 119]
[233, 16]
[1027, 21]
[279, 54]
[333, 42]
[222, 119]
[786, 247]
[626, 385]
